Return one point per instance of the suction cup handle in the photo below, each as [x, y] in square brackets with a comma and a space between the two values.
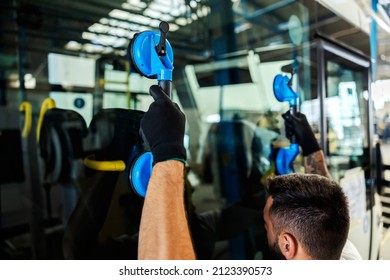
[166, 86]
[161, 48]
[293, 111]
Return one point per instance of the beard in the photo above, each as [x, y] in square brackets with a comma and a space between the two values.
[274, 251]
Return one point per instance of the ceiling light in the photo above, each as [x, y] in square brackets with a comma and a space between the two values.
[73, 46]
[119, 14]
[137, 3]
[181, 21]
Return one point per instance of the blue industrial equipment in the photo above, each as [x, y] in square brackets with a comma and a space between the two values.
[283, 92]
[139, 171]
[152, 56]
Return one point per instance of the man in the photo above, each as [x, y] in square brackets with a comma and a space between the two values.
[306, 217]
[164, 230]
[314, 162]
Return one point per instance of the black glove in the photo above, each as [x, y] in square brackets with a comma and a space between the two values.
[297, 125]
[162, 128]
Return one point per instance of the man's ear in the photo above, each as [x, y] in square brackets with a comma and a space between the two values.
[288, 245]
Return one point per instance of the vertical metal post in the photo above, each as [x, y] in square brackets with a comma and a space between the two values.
[224, 41]
[3, 88]
[321, 89]
[373, 42]
[33, 181]
[21, 52]
[21, 56]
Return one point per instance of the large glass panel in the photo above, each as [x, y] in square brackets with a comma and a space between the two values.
[346, 115]
[267, 39]
[240, 125]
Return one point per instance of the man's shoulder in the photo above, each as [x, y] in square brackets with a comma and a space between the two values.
[350, 252]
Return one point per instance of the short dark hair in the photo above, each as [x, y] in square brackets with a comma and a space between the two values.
[314, 209]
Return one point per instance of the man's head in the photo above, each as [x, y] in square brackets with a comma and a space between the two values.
[306, 217]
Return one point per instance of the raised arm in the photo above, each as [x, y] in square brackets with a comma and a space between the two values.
[164, 232]
[314, 158]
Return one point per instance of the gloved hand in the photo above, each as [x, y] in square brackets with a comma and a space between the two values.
[162, 128]
[298, 125]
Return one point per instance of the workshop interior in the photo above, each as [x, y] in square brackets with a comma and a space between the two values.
[74, 85]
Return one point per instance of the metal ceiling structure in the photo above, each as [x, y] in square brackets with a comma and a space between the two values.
[99, 27]
[92, 26]
[379, 12]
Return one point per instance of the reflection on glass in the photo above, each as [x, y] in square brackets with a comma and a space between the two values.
[345, 113]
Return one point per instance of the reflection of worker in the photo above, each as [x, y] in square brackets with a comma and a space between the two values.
[163, 126]
[164, 230]
[314, 158]
[105, 196]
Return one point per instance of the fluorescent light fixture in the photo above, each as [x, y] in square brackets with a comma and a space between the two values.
[73, 45]
[139, 19]
[181, 21]
[88, 36]
[155, 23]
[242, 27]
[104, 21]
[165, 2]
[137, 3]
[173, 27]
[93, 48]
[152, 13]
[108, 50]
[120, 42]
[214, 118]
[99, 28]
[119, 14]
[124, 22]
[160, 8]
[166, 17]
[193, 4]
[121, 52]
[205, 10]
[29, 81]
[175, 12]
[127, 6]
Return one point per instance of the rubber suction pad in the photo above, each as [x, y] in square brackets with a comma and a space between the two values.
[130, 56]
[143, 54]
[285, 157]
[282, 91]
[140, 173]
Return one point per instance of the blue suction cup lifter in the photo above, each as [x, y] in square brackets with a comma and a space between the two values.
[140, 173]
[285, 157]
[283, 91]
[152, 55]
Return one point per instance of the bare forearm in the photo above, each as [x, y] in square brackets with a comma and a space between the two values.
[315, 164]
[164, 231]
